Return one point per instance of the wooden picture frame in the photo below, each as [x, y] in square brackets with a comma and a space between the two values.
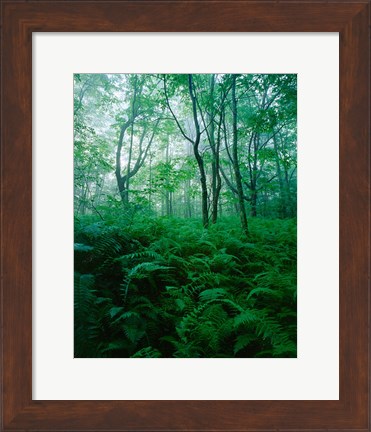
[19, 20]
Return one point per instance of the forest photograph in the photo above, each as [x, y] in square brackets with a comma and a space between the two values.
[185, 215]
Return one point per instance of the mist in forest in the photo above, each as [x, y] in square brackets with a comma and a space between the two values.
[185, 215]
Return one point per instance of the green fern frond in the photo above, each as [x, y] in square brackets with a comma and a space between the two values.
[246, 317]
[115, 311]
[125, 315]
[264, 291]
[114, 346]
[285, 349]
[148, 352]
[270, 329]
[141, 254]
[79, 247]
[242, 341]
[133, 333]
[212, 294]
[143, 269]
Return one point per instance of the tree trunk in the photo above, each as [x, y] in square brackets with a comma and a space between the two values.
[150, 183]
[253, 203]
[254, 179]
[127, 187]
[236, 166]
[195, 143]
[218, 186]
[187, 200]
[121, 180]
[215, 175]
[167, 192]
[127, 176]
[283, 196]
[200, 162]
[170, 203]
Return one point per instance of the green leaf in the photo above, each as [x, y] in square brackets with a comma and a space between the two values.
[246, 317]
[242, 341]
[212, 294]
[79, 247]
[115, 311]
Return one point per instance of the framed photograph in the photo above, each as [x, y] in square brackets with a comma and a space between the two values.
[213, 177]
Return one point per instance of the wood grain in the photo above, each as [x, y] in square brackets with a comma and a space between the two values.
[19, 20]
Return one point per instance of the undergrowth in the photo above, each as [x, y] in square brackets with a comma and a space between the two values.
[166, 287]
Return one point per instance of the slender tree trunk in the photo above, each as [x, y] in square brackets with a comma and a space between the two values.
[253, 203]
[150, 183]
[127, 186]
[253, 178]
[121, 180]
[167, 192]
[236, 165]
[189, 211]
[288, 192]
[187, 200]
[195, 143]
[216, 182]
[218, 186]
[171, 203]
[204, 206]
[283, 206]
[200, 162]
[215, 161]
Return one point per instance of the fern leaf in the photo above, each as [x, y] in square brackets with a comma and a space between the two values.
[115, 311]
[141, 254]
[133, 333]
[242, 341]
[267, 291]
[141, 270]
[212, 294]
[246, 317]
[113, 346]
[147, 352]
[79, 247]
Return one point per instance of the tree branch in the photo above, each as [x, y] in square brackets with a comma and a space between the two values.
[174, 116]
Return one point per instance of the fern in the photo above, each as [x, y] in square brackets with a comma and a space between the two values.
[169, 288]
[264, 291]
[147, 352]
[86, 325]
[79, 247]
[143, 269]
[212, 294]
[133, 333]
[246, 317]
[243, 341]
[114, 311]
[141, 254]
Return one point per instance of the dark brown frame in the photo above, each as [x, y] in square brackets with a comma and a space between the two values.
[19, 20]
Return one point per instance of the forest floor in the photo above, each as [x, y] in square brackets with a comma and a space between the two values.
[167, 287]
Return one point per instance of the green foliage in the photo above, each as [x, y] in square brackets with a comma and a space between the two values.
[154, 155]
[167, 287]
